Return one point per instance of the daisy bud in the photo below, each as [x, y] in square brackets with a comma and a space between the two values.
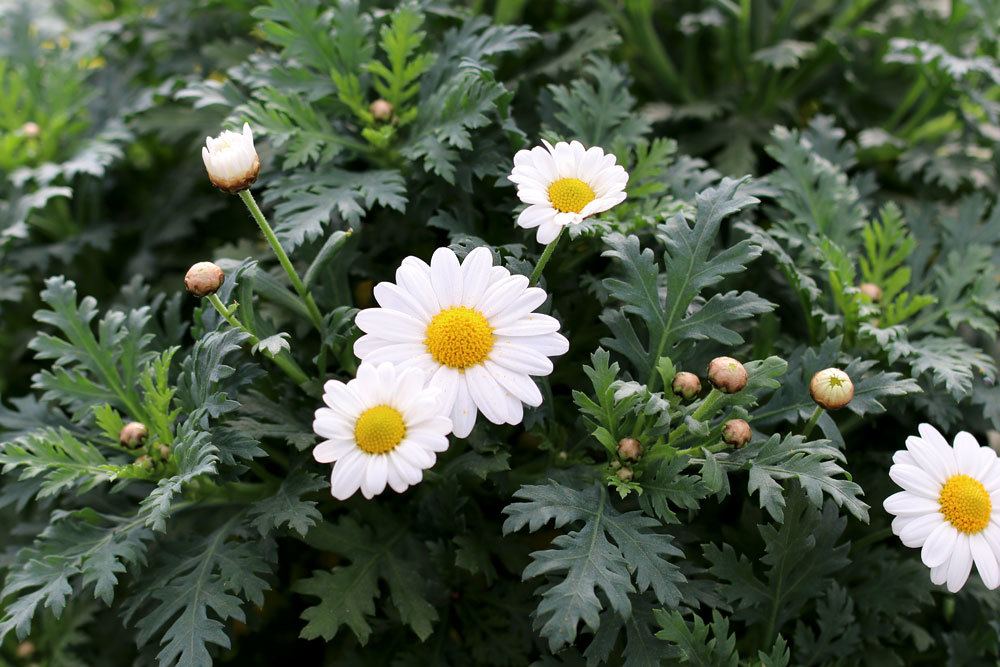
[133, 435]
[25, 649]
[727, 375]
[625, 474]
[686, 385]
[204, 278]
[831, 388]
[31, 130]
[231, 160]
[164, 451]
[629, 449]
[871, 290]
[736, 432]
[145, 461]
[381, 110]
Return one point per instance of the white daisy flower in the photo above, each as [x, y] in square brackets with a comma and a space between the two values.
[231, 160]
[470, 326]
[383, 427]
[563, 184]
[950, 506]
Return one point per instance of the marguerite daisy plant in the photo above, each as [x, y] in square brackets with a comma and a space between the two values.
[470, 326]
[563, 184]
[949, 507]
[384, 427]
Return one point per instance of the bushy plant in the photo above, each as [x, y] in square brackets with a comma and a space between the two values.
[673, 399]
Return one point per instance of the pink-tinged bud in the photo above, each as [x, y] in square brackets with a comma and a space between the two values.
[686, 385]
[133, 435]
[727, 375]
[625, 474]
[145, 462]
[736, 432]
[831, 388]
[25, 649]
[204, 278]
[871, 290]
[31, 130]
[381, 110]
[164, 451]
[231, 160]
[629, 449]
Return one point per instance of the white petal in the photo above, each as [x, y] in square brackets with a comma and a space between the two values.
[928, 458]
[347, 475]
[406, 471]
[340, 399]
[985, 560]
[446, 380]
[904, 457]
[549, 345]
[501, 293]
[446, 277]
[547, 232]
[532, 324]
[515, 409]
[332, 450]
[487, 394]
[412, 278]
[522, 305]
[960, 565]
[939, 574]
[463, 413]
[919, 529]
[519, 385]
[915, 480]
[391, 325]
[905, 503]
[939, 544]
[394, 297]
[933, 437]
[414, 454]
[535, 215]
[376, 476]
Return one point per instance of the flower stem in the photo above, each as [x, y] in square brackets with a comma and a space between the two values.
[544, 259]
[283, 259]
[707, 406]
[284, 362]
[817, 413]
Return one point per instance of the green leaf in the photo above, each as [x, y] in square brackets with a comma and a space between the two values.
[287, 507]
[601, 556]
[84, 546]
[61, 460]
[347, 593]
[188, 596]
[693, 643]
[664, 485]
[194, 455]
[664, 305]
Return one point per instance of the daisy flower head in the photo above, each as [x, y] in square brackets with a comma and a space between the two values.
[949, 507]
[563, 184]
[471, 328]
[384, 427]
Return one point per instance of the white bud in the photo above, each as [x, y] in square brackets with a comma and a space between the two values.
[831, 388]
[231, 160]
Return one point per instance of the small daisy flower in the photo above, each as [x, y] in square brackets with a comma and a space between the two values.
[471, 328]
[563, 184]
[949, 507]
[231, 160]
[383, 427]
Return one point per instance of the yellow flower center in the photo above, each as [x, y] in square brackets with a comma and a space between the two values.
[966, 504]
[379, 429]
[459, 337]
[570, 195]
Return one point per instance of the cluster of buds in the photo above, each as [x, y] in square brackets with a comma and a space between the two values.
[727, 375]
[204, 278]
[231, 160]
[831, 388]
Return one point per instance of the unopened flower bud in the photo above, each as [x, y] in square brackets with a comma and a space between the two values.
[381, 110]
[145, 461]
[31, 130]
[871, 290]
[25, 649]
[736, 432]
[686, 385]
[133, 435]
[629, 449]
[625, 474]
[204, 278]
[164, 451]
[831, 388]
[727, 375]
[231, 160]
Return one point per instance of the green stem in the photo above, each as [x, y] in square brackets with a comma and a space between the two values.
[718, 447]
[817, 413]
[285, 363]
[544, 259]
[282, 256]
[707, 406]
